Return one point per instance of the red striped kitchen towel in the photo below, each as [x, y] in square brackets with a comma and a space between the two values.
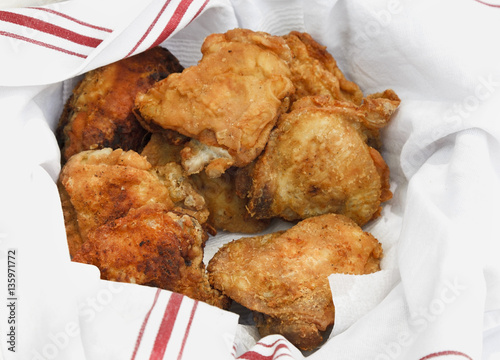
[175, 326]
[156, 338]
[126, 321]
[42, 45]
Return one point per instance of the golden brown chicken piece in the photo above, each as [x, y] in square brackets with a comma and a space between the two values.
[227, 211]
[163, 148]
[183, 192]
[152, 246]
[228, 103]
[283, 276]
[317, 162]
[99, 112]
[97, 186]
[315, 71]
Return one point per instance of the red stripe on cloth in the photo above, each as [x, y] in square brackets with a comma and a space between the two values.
[445, 353]
[48, 28]
[488, 4]
[72, 19]
[269, 345]
[199, 11]
[151, 26]
[193, 310]
[173, 22]
[254, 355]
[39, 43]
[166, 326]
[143, 326]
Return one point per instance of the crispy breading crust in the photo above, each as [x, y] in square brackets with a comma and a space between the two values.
[99, 112]
[317, 161]
[154, 247]
[227, 211]
[284, 275]
[315, 71]
[97, 186]
[229, 101]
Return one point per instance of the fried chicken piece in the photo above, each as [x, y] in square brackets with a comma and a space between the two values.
[317, 161]
[184, 194]
[154, 247]
[315, 71]
[97, 186]
[228, 103]
[163, 148]
[283, 276]
[99, 112]
[227, 211]
[163, 152]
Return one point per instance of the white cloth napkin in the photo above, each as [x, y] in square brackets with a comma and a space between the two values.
[438, 293]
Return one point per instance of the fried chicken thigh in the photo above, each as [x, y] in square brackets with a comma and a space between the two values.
[315, 71]
[317, 161]
[227, 104]
[283, 276]
[99, 112]
[152, 246]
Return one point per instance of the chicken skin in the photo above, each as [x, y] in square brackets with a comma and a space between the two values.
[317, 161]
[99, 112]
[155, 247]
[227, 104]
[283, 276]
[315, 71]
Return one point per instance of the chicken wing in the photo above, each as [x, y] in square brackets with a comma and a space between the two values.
[99, 112]
[152, 246]
[317, 162]
[228, 103]
[315, 71]
[283, 276]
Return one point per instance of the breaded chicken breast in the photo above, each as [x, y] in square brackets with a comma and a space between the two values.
[155, 247]
[283, 276]
[317, 161]
[99, 112]
[227, 104]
